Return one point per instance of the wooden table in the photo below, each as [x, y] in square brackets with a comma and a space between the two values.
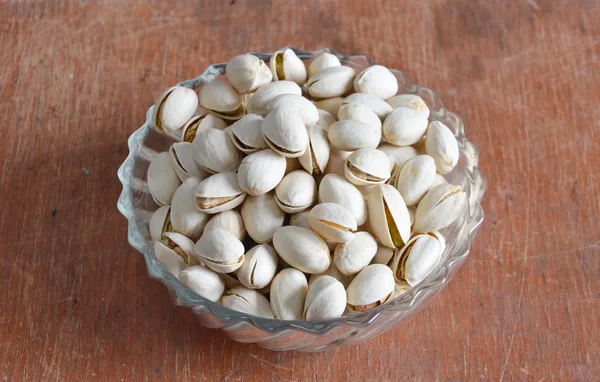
[77, 78]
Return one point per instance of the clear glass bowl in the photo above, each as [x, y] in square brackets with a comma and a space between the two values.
[136, 204]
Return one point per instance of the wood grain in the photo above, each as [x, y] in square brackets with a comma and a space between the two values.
[77, 78]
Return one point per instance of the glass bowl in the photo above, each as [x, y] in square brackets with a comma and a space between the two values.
[136, 204]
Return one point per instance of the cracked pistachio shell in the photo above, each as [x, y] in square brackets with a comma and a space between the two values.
[330, 105]
[261, 172]
[218, 193]
[373, 286]
[296, 192]
[182, 159]
[168, 258]
[300, 219]
[262, 217]
[259, 267]
[412, 101]
[325, 299]
[257, 104]
[404, 127]
[285, 133]
[303, 107]
[222, 100]
[288, 292]
[162, 179]
[415, 178]
[376, 80]
[354, 255]
[285, 65]
[335, 189]
[214, 151]
[440, 206]
[337, 162]
[374, 103]
[315, 158]
[185, 217]
[231, 221]
[350, 135]
[416, 259]
[200, 122]
[246, 134]
[440, 238]
[384, 255]
[302, 249]
[220, 250]
[160, 223]
[388, 216]
[247, 301]
[332, 222]
[441, 144]
[358, 112]
[182, 246]
[367, 166]
[334, 272]
[331, 82]
[203, 281]
[247, 73]
[323, 61]
[325, 119]
[174, 107]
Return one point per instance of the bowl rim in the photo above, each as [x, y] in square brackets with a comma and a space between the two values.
[183, 296]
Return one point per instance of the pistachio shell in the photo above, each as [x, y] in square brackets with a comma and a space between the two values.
[230, 280]
[259, 267]
[412, 101]
[388, 216]
[296, 192]
[247, 73]
[411, 214]
[354, 255]
[374, 103]
[285, 65]
[399, 154]
[373, 286]
[260, 172]
[231, 221]
[350, 135]
[325, 299]
[221, 99]
[331, 82]
[337, 162]
[323, 61]
[220, 250]
[259, 100]
[162, 179]
[325, 119]
[199, 122]
[288, 292]
[441, 144]
[438, 179]
[440, 238]
[246, 134]
[262, 217]
[376, 80]
[218, 193]
[168, 258]
[334, 272]
[174, 107]
[247, 301]
[203, 281]
[440, 206]
[330, 105]
[185, 217]
[160, 223]
[367, 166]
[302, 249]
[335, 189]
[358, 112]
[214, 151]
[404, 127]
[181, 245]
[332, 222]
[182, 159]
[315, 158]
[384, 255]
[291, 164]
[285, 133]
[415, 178]
[303, 107]
[416, 259]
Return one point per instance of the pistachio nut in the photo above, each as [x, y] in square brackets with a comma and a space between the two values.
[199, 122]
[441, 144]
[260, 172]
[257, 104]
[203, 281]
[388, 216]
[372, 287]
[354, 255]
[334, 272]
[247, 73]
[337, 162]
[285, 133]
[218, 193]
[222, 100]
[173, 108]
[412, 101]
[358, 112]
[330, 105]
[325, 119]
[416, 259]
[404, 126]
[440, 206]
[325, 299]
[300, 219]
[332, 222]
[367, 166]
[303, 107]
[440, 239]
[415, 178]
[384, 255]
[350, 135]
[247, 301]
[180, 245]
[184, 216]
[315, 158]
[220, 250]
[335, 189]
[246, 134]
[214, 151]
[331, 82]
[323, 61]
[372, 102]
[262, 217]
[376, 80]
[160, 223]
[168, 258]
[302, 249]
[288, 292]
[231, 221]
[296, 192]
[285, 65]
[182, 159]
[259, 267]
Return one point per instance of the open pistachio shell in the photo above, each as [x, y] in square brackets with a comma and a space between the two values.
[373, 286]
[286, 65]
[182, 246]
[258, 102]
[185, 217]
[323, 61]
[335, 189]
[325, 299]
[354, 255]
[404, 126]
[285, 133]
[218, 193]
[376, 80]
[247, 73]
[169, 258]
[247, 301]
[222, 100]
[220, 250]
[174, 107]
[231, 221]
[259, 267]
[367, 166]
[246, 134]
[160, 223]
[199, 122]
[332, 222]
[440, 206]
[302, 249]
[261, 172]
[388, 216]
[303, 107]
[415, 178]
[315, 158]
[262, 217]
[296, 192]
[162, 179]
[331, 82]
[182, 159]
[416, 259]
[288, 292]
[203, 281]
[214, 151]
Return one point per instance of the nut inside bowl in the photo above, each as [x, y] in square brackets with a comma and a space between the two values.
[137, 205]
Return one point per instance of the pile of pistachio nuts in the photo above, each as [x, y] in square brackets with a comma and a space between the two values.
[301, 193]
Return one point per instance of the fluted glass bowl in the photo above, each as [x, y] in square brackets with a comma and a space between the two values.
[136, 204]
